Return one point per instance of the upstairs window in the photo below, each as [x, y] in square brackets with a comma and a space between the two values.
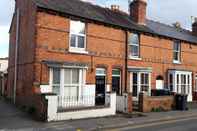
[77, 36]
[134, 46]
[176, 52]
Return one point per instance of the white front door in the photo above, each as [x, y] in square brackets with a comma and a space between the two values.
[139, 82]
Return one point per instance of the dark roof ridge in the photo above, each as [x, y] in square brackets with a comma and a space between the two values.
[120, 19]
[171, 26]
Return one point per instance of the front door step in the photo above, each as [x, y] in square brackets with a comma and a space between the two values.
[135, 106]
[192, 105]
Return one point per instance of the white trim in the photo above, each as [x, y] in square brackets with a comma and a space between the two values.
[176, 62]
[177, 51]
[130, 44]
[177, 87]
[135, 98]
[77, 49]
[135, 58]
[195, 89]
[101, 69]
[81, 84]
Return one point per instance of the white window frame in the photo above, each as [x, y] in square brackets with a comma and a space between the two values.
[82, 73]
[130, 44]
[139, 83]
[77, 49]
[177, 87]
[177, 51]
[195, 89]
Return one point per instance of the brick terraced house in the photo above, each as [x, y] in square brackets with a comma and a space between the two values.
[68, 57]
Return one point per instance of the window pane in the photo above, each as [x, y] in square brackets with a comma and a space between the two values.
[135, 78]
[176, 56]
[115, 72]
[56, 90]
[73, 41]
[142, 78]
[77, 27]
[146, 79]
[81, 41]
[56, 76]
[100, 71]
[75, 76]
[134, 51]
[67, 76]
[134, 39]
[176, 46]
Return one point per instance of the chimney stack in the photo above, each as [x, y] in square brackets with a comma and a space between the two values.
[115, 7]
[138, 11]
[194, 27]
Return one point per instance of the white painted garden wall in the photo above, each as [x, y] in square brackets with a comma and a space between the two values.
[122, 103]
[54, 115]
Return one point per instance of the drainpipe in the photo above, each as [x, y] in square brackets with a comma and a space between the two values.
[16, 52]
[126, 59]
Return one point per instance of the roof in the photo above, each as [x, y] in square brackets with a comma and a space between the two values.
[96, 13]
[5, 58]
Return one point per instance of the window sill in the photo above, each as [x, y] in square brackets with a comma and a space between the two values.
[78, 51]
[135, 58]
[177, 62]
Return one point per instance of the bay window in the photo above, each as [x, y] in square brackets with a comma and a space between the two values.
[77, 36]
[134, 45]
[67, 82]
[180, 82]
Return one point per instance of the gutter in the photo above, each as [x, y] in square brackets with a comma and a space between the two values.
[126, 60]
[16, 53]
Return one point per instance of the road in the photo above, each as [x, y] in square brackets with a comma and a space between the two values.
[188, 124]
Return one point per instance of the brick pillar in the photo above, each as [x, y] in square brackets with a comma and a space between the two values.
[142, 102]
[130, 103]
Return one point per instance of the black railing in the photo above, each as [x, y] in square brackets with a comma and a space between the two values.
[73, 102]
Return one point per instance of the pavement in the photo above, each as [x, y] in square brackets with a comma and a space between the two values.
[12, 118]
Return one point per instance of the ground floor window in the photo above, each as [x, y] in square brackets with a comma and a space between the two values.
[180, 82]
[67, 82]
[140, 82]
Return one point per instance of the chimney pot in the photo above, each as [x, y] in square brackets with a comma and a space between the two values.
[177, 24]
[115, 7]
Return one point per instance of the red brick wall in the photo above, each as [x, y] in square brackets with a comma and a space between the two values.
[158, 53]
[154, 103]
[45, 36]
[26, 53]
[105, 46]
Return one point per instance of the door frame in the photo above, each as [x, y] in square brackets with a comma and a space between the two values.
[120, 80]
[139, 84]
[101, 75]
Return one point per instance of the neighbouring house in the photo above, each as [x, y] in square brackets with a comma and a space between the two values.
[69, 59]
[3, 76]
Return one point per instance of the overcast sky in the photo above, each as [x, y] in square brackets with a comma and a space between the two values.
[165, 11]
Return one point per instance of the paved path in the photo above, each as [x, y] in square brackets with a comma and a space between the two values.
[13, 118]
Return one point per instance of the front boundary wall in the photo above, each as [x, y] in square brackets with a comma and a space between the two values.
[155, 103]
[54, 115]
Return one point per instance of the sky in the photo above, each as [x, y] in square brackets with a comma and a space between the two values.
[165, 11]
